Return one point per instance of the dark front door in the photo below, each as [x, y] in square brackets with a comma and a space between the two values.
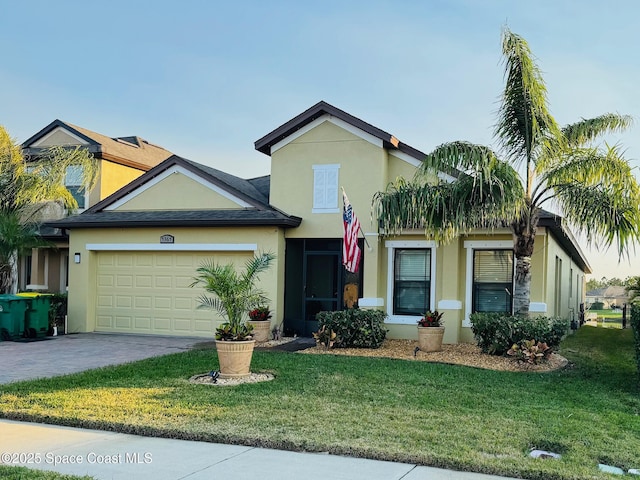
[322, 286]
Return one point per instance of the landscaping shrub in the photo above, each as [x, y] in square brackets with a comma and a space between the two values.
[496, 333]
[355, 327]
[597, 306]
[635, 324]
[57, 309]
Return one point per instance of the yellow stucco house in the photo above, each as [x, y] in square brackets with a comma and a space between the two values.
[134, 254]
[120, 160]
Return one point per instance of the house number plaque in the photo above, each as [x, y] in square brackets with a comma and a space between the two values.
[166, 239]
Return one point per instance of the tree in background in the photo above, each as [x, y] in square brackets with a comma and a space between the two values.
[29, 193]
[592, 184]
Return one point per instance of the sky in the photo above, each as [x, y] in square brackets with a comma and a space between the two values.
[205, 79]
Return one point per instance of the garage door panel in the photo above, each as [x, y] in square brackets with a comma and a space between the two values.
[143, 281]
[150, 292]
[163, 281]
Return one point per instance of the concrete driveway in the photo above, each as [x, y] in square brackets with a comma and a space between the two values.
[54, 356]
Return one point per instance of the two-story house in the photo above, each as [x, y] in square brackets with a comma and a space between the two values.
[120, 160]
[137, 250]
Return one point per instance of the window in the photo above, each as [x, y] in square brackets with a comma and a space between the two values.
[73, 182]
[325, 188]
[492, 281]
[412, 281]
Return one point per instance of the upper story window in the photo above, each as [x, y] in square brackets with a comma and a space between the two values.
[325, 188]
[73, 182]
[492, 280]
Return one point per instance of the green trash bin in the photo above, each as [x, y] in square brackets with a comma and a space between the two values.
[12, 316]
[37, 315]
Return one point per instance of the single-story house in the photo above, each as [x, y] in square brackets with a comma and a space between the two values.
[135, 253]
[611, 296]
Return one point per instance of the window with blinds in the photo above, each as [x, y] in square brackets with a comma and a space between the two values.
[412, 281]
[73, 182]
[492, 280]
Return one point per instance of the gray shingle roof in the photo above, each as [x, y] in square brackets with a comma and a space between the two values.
[184, 218]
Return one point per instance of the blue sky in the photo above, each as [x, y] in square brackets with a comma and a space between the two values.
[205, 79]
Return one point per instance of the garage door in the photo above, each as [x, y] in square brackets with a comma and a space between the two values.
[149, 292]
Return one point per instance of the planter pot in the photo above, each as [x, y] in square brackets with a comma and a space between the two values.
[261, 330]
[234, 358]
[430, 338]
[55, 331]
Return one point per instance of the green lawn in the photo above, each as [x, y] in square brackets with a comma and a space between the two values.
[21, 473]
[441, 415]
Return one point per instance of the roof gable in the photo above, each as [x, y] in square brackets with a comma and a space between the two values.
[131, 151]
[237, 191]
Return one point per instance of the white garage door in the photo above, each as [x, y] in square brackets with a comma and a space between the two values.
[150, 293]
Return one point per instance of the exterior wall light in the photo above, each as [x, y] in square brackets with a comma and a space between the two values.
[76, 257]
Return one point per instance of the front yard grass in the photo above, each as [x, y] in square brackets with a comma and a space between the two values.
[432, 414]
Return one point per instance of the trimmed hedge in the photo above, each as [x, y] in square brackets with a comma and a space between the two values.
[355, 327]
[635, 324]
[495, 333]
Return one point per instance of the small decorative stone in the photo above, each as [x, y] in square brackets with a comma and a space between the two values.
[543, 454]
[634, 471]
[610, 469]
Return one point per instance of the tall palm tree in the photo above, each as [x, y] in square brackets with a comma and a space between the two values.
[592, 184]
[28, 193]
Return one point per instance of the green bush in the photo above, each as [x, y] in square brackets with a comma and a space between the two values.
[355, 327]
[496, 333]
[635, 324]
[597, 306]
[57, 309]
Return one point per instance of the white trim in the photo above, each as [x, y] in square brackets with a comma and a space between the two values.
[370, 302]
[318, 121]
[173, 247]
[538, 307]
[416, 163]
[54, 131]
[449, 305]
[325, 210]
[471, 246]
[391, 245]
[177, 169]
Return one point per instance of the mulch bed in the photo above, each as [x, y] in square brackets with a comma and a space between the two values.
[457, 354]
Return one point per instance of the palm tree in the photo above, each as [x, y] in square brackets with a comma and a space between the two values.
[632, 287]
[235, 293]
[29, 192]
[591, 184]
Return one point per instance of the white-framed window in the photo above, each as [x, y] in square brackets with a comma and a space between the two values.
[325, 188]
[410, 280]
[73, 182]
[489, 277]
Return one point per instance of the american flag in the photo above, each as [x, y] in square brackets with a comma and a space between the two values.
[351, 226]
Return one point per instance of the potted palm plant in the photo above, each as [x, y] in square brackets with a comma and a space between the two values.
[259, 320]
[430, 332]
[234, 295]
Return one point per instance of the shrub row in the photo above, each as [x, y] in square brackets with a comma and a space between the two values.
[635, 324]
[496, 333]
[355, 327]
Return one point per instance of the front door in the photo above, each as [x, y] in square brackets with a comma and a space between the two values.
[322, 286]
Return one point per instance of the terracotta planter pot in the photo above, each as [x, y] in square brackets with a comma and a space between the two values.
[430, 338]
[261, 330]
[234, 358]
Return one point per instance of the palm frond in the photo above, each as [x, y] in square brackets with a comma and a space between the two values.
[585, 131]
[524, 120]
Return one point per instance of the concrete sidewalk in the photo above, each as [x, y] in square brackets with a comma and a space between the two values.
[108, 455]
